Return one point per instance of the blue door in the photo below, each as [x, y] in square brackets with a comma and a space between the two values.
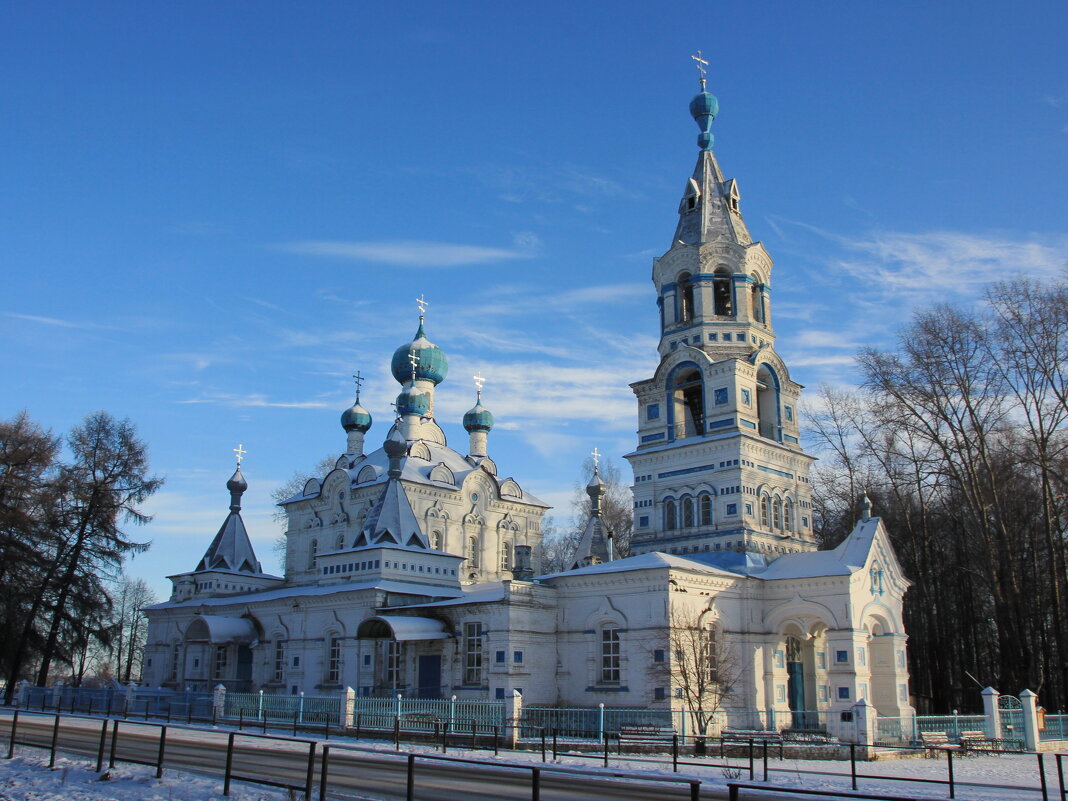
[429, 676]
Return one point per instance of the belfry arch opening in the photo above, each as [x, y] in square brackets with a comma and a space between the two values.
[688, 402]
[685, 285]
[768, 403]
[756, 300]
[722, 295]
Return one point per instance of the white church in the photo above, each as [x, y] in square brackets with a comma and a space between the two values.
[414, 568]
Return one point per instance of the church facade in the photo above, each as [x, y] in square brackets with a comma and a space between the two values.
[415, 568]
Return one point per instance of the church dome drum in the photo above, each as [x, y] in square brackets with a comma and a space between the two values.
[413, 401]
[432, 366]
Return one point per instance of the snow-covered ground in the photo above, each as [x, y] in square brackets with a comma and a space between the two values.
[1009, 777]
[28, 778]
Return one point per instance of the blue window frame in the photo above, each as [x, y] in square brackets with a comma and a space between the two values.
[652, 411]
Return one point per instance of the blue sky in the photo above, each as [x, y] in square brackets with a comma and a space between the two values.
[214, 213]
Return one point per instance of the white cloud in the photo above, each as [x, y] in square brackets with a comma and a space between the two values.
[55, 321]
[254, 400]
[412, 252]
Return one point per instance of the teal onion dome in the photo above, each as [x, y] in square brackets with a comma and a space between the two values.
[433, 366]
[413, 401]
[704, 107]
[478, 419]
[356, 418]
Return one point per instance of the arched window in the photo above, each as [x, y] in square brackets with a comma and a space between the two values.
[435, 540]
[705, 504]
[788, 515]
[506, 555]
[340, 543]
[313, 550]
[685, 290]
[768, 403]
[722, 295]
[776, 512]
[688, 403]
[687, 512]
[472, 551]
[669, 515]
[756, 300]
[765, 512]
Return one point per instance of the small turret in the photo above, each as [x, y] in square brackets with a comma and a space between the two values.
[478, 422]
[356, 421]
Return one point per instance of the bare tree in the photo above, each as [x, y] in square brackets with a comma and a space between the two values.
[617, 506]
[697, 665]
[293, 487]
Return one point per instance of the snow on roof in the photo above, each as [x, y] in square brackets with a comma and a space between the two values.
[848, 557]
[645, 561]
[221, 629]
[404, 587]
[417, 470]
[406, 628]
[474, 594]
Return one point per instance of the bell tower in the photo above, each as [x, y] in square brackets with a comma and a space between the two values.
[718, 465]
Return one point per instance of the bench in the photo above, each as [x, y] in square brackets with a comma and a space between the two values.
[644, 733]
[935, 741]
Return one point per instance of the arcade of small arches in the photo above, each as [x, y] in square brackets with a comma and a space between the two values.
[723, 297]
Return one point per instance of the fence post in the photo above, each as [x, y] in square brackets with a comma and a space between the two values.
[993, 714]
[311, 772]
[131, 700]
[410, 795]
[348, 708]
[229, 763]
[949, 767]
[162, 748]
[515, 712]
[23, 694]
[55, 742]
[15, 727]
[300, 707]
[324, 773]
[1042, 778]
[865, 716]
[535, 784]
[259, 706]
[452, 710]
[1030, 720]
[100, 748]
[600, 721]
[218, 703]
[853, 764]
[57, 694]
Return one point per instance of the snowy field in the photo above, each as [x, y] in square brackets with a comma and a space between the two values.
[28, 778]
[1014, 777]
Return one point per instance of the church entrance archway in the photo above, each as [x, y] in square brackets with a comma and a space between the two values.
[795, 688]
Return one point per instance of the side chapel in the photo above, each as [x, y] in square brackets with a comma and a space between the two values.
[415, 568]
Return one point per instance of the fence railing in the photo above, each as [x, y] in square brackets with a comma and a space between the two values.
[318, 709]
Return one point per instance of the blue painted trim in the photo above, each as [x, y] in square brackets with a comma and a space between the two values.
[687, 471]
[788, 438]
[654, 437]
[721, 423]
[774, 471]
[746, 423]
[622, 689]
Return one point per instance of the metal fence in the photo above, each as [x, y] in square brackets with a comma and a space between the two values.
[423, 713]
[317, 709]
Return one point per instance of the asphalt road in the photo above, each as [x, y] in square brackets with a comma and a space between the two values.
[352, 772]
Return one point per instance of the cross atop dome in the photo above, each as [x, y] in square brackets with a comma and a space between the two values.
[358, 379]
[479, 382]
[702, 70]
[422, 303]
[596, 459]
[240, 452]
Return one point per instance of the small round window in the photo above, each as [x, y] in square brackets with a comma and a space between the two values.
[474, 496]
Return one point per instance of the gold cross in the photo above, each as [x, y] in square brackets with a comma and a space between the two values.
[414, 360]
[422, 303]
[596, 458]
[240, 451]
[479, 381]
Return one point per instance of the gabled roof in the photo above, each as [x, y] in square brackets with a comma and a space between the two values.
[646, 561]
[593, 545]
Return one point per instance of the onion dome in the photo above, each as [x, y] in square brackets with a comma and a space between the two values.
[596, 487]
[413, 401]
[356, 418]
[704, 107]
[432, 366]
[395, 445]
[237, 486]
[478, 418]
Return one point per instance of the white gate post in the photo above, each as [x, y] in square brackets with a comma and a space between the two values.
[218, 701]
[514, 712]
[992, 712]
[348, 708]
[23, 693]
[1030, 720]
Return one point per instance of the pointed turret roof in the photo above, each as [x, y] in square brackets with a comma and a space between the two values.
[594, 547]
[709, 208]
[232, 549]
[391, 520]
